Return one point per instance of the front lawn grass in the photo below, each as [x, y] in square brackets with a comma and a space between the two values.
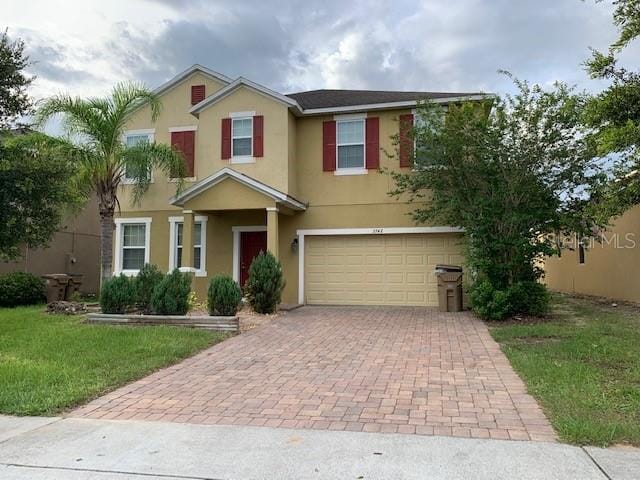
[583, 367]
[49, 363]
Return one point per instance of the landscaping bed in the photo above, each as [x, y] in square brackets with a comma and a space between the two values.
[582, 364]
[50, 363]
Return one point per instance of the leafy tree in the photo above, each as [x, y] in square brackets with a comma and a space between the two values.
[36, 188]
[614, 114]
[100, 123]
[512, 174]
[14, 101]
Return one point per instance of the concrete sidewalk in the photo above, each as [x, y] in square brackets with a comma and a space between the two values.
[81, 449]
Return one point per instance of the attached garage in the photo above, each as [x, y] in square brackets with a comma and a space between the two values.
[375, 268]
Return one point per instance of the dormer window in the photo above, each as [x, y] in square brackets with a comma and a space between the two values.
[242, 136]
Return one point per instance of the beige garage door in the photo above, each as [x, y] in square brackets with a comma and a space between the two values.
[377, 269]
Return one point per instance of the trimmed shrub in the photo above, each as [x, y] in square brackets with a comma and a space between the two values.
[529, 298]
[489, 303]
[20, 288]
[522, 298]
[171, 295]
[265, 284]
[118, 295]
[224, 296]
[147, 280]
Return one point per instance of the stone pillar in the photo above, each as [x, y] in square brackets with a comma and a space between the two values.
[187, 241]
[272, 230]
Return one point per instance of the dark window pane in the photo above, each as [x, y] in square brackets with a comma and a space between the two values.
[351, 156]
[132, 258]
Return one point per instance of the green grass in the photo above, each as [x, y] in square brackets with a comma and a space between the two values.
[583, 367]
[49, 363]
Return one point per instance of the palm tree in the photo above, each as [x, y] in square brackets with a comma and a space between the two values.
[99, 124]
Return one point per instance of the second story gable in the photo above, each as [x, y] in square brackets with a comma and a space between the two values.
[321, 147]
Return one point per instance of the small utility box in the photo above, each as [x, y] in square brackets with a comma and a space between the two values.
[449, 288]
[56, 286]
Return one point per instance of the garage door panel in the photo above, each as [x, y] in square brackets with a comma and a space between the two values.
[376, 269]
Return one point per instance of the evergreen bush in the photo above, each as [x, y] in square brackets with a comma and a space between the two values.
[224, 296]
[265, 284]
[171, 295]
[118, 295]
[20, 288]
[147, 280]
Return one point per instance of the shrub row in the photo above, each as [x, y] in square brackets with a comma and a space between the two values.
[150, 292]
[20, 288]
[521, 298]
[153, 292]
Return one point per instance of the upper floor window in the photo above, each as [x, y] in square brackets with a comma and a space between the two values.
[350, 144]
[131, 139]
[242, 136]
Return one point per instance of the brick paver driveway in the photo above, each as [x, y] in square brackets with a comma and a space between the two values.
[372, 369]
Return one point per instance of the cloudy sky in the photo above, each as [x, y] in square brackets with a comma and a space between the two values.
[447, 45]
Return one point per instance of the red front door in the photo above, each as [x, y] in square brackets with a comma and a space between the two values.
[251, 244]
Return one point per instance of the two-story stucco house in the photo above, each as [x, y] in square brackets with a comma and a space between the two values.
[297, 175]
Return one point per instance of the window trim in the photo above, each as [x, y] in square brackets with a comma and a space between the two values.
[173, 231]
[242, 158]
[351, 170]
[119, 243]
[151, 134]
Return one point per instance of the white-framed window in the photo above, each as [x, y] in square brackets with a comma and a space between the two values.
[242, 137]
[350, 141]
[132, 238]
[199, 244]
[132, 138]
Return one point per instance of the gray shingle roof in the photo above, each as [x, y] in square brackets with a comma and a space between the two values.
[346, 98]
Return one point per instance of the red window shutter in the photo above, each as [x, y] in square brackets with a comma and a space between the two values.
[258, 136]
[189, 150]
[177, 143]
[372, 136]
[226, 139]
[185, 143]
[197, 94]
[329, 146]
[406, 139]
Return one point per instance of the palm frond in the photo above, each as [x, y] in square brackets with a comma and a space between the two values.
[140, 160]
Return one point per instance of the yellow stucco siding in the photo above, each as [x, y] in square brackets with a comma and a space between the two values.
[176, 103]
[229, 195]
[272, 168]
[610, 268]
[325, 188]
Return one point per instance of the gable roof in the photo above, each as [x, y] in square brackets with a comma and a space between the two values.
[185, 73]
[240, 82]
[252, 183]
[313, 99]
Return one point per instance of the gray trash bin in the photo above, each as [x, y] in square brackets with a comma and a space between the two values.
[449, 288]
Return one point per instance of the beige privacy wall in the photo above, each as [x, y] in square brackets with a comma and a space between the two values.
[611, 268]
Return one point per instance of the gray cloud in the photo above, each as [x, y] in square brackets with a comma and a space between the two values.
[294, 45]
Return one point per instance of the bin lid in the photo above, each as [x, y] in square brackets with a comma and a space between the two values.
[56, 276]
[448, 268]
[450, 277]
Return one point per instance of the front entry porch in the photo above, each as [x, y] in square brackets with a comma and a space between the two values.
[234, 205]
